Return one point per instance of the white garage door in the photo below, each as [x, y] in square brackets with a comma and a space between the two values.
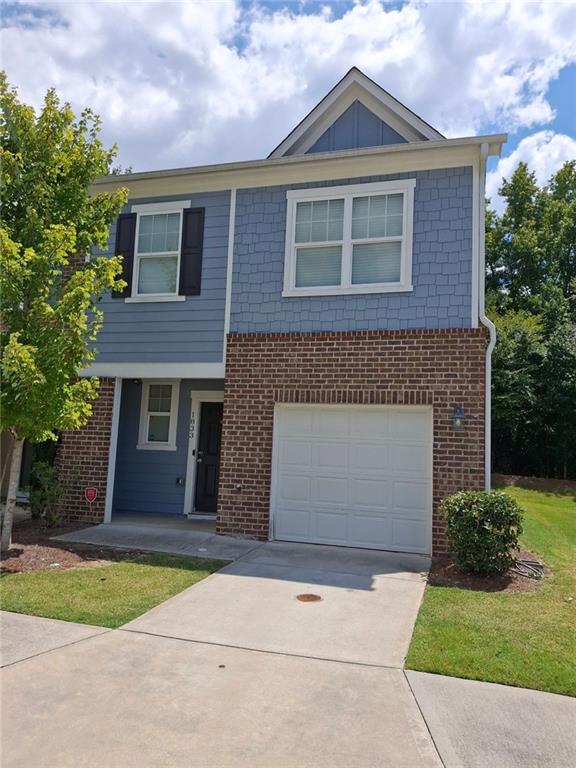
[355, 476]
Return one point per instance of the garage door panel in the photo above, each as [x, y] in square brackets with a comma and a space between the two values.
[408, 425]
[294, 487]
[409, 535]
[297, 422]
[410, 495]
[331, 423]
[368, 424]
[295, 453]
[413, 459]
[293, 523]
[333, 454]
[370, 492]
[330, 490]
[373, 531]
[369, 456]
[330, 526]
[355, 476]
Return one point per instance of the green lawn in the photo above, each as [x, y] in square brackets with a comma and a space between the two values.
[523, 639]
[108, 595]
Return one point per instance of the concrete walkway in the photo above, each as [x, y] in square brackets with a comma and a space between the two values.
[236, 672]
[173, 541]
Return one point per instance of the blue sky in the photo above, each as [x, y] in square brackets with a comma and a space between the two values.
[192, 82]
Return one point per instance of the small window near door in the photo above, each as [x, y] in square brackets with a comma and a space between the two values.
[158, 415]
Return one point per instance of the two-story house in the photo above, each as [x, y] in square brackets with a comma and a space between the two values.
[301, 350]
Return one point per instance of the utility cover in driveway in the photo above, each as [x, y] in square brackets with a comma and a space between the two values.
[358, 476]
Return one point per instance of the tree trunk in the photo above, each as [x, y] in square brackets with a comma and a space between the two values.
[14, 477]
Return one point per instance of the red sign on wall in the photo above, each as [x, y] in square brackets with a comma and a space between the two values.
[90, 494]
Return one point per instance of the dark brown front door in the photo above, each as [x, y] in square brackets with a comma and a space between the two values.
[208, 458]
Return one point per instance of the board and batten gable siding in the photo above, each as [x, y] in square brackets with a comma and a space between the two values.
[146, 480]
[190, 331]
[355, 128]
[441, 271]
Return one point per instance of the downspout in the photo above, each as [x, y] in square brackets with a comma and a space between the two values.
[484, 319]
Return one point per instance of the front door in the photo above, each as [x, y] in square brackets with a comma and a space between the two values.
[208, 458]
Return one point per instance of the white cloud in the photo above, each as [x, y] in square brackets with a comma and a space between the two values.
[544, 152]
[192, 82]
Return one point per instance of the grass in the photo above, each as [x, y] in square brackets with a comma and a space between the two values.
[521, 639]
[106, 596]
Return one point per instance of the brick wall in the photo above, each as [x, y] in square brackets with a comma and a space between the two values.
[441, 368]
[82, 460]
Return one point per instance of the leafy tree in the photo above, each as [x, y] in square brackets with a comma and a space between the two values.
[50, 288]
[531, 291]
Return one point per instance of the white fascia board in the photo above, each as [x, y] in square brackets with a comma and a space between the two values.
[325, 166]
[156, 370]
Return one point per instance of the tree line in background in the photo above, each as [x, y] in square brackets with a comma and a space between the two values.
[531, 297]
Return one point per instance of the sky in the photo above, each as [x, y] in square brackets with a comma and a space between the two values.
[197, 82]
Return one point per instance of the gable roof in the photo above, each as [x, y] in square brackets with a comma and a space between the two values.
[355, 86]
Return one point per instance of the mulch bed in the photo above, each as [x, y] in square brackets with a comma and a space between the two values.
[444, 573]
[33, 550]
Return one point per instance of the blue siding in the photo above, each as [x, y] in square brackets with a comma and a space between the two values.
[146, 480]
[441, 272]
[356, 127]
[187, 331]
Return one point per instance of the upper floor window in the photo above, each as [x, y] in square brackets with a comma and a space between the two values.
[161, 245]
[158, 253]
[349, 239]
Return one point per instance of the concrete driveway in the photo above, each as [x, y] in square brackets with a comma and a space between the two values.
[368, 604]
[236, 672]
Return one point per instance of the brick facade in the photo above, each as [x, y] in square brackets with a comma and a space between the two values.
[82, 460]
[441, 368]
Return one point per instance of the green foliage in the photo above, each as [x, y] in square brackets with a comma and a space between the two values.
[50, 287]
[45, 493]
[531, 284]
[482, 528]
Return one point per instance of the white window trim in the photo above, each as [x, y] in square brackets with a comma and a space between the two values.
[348, 192]
[143, 443]
[149, 209]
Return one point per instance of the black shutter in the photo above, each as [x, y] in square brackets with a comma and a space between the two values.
[191, 255]
[125, 237]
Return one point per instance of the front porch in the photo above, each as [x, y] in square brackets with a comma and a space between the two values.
[168, 534]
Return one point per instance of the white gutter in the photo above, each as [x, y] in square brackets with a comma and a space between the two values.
[484, 319]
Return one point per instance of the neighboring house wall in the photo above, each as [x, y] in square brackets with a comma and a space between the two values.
[356, 127]
[441, 271]
[146, 479]
[82, 460]
[186, 331]
[438, 368]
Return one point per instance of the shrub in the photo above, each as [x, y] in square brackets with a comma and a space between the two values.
[45, 493]
[482, 529]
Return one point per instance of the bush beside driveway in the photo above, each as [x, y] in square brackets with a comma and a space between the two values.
[520, 639]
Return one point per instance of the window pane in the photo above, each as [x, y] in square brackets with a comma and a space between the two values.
[376, 263]
[158, 275]
[318, 266]
[160, 397]
[377, 216]
[158, 429]
[158, 232]
[319, 221]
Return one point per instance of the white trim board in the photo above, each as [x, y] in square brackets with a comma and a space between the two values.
[229, 270]
[112, 450]
[324, 166]
[197, 397]
[156, 370]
